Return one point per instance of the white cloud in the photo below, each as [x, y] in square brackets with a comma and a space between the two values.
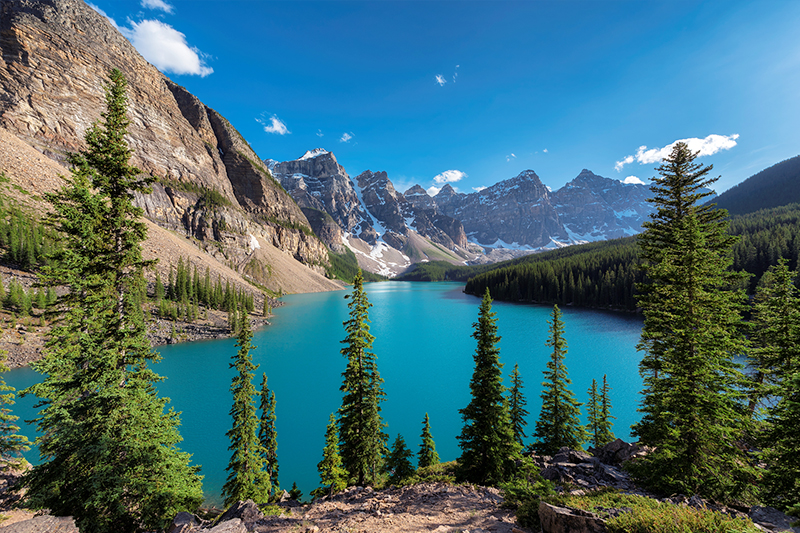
[509, 157]
[478, 189]
[158, 4]
[320, 134]
[545, 150]
[112, 21]
[708, 146]
[274, 125]
[346, 137]
[433, 191]
[449, 176]
[455, 74]
[166, 48]
[633, 179]
[440, 80]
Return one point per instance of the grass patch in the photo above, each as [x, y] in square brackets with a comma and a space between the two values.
[647, 515]
[212, 198]
[345, 266]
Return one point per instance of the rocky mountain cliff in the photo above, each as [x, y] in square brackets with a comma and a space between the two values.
[593, 208]
[211, 185]
[378, 223]
[514, 212]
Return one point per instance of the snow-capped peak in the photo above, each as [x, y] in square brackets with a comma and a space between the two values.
[311, 154]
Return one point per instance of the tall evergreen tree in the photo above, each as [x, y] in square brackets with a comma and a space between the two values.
[593, 414]
[427, 455]
[606, 435]
[247, 477]
[268, 434]
[776, 358]
[331, 472]
[363, 442]
[109, 451]
[12, 444]
[398, 462]
[692, 399]
[558, 424]
[516, 407]
[487, 440]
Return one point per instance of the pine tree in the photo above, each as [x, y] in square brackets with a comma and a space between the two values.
[331, 472]
[605, 433]
[516, 406]
[593, 414]
[558, 423]
[247, 477]
[12, 444]
[398, 462]
[776, 358]
[109, 451]
[268, 434]
[363, 441]
[427, 455]
[693, 391]
[487, 440]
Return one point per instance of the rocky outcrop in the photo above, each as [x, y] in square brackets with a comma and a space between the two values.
[56, 55]
[592, 207]
[515, 212]
[567, 520]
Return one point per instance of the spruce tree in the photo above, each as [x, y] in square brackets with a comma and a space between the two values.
[593, 415]
[268, 434]
[605, 433]
[247, 477]
[363, 441]
[109, 451]
[332, 474]
[692, 404]
[398, 462]
[776, 358]
[427, 455]
[516, 406]
[487, 440]
[12, 444]
[558, 424]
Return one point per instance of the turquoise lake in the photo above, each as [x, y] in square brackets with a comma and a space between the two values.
[424, 347]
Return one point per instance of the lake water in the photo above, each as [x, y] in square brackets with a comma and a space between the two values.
[424, 347]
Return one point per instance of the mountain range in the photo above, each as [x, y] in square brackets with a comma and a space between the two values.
[251, 214]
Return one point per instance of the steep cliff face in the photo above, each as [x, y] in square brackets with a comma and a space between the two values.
[56, 55]
[515, 212]
[594, 208]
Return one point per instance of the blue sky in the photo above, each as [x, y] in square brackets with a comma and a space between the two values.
[474, 92]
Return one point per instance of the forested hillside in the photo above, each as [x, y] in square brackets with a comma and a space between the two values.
[772, 187]
[603, 274]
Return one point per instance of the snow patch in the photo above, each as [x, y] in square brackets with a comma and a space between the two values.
[311, 154]
[253, 243]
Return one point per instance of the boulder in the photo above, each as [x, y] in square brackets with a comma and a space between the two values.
[772, 519]
[43, 524]
[565, 520]
[247, 511]
[229, 526]
[616, 452]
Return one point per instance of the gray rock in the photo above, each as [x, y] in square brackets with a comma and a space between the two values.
[229, 526]
[247, 511]
[184, 522]
[563, 520]
[772, 519]
[43, 524]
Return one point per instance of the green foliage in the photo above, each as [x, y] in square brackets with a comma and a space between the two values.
[775, 186]
[332, 475]
[398, 462]
[268, 434]
[211, 198]
[109, 451]
[692, 410]
[12, 444]
[28, 243]
[647, 515]
[363, 442]
[524, 492]
[345, 267]
[295, 493]
[442, 271]
[516, 406]
[437, 473]
[427, 455]
[247, 477]
[558, 424]
[599, 415]
[488, 448]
